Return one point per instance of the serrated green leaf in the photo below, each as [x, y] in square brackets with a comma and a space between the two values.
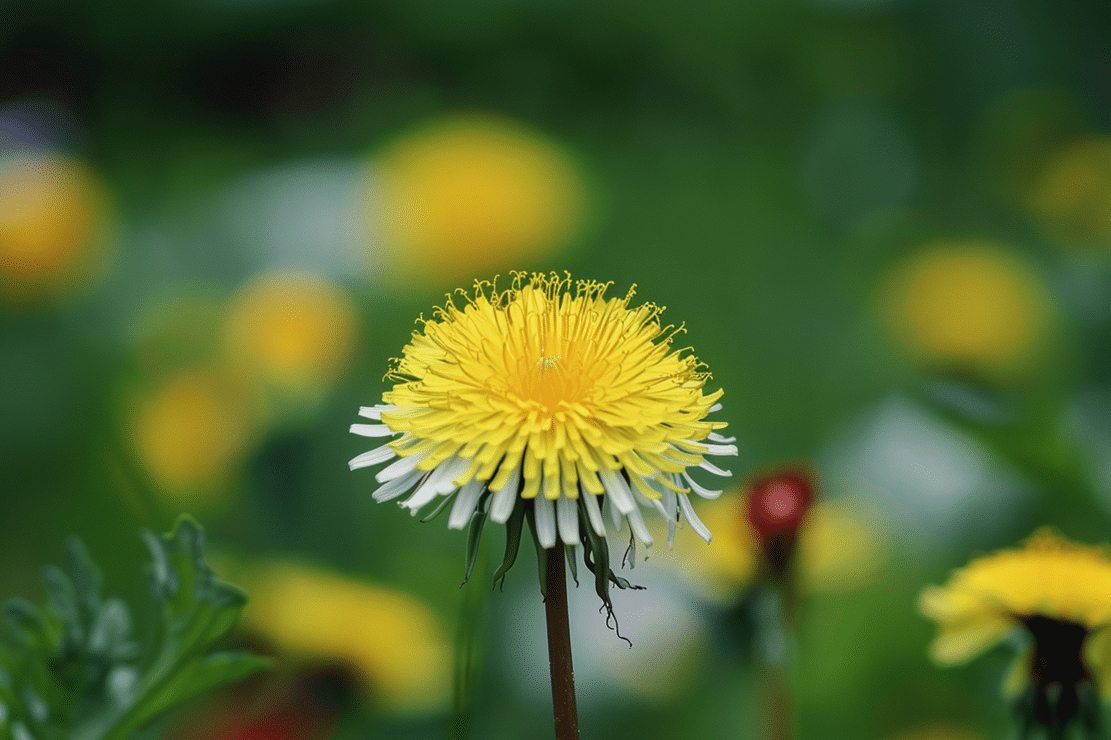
[163, 578]
[73, 673]
[29, 622]
[62, 598]
[86, 578]
[201, 676]
[109, 634]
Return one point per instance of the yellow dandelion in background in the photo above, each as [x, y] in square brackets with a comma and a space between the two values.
[1048, 577]
[968, 304]
[841, 547]
[1057, 592]
[392, 640]
[188, 434]
[293, 331]
[53, 223]
[472, 193]
[1072, 195]
[610, 428]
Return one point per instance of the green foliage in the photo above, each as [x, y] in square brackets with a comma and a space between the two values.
[72, 670]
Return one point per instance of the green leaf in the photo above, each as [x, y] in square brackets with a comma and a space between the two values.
[74, 672]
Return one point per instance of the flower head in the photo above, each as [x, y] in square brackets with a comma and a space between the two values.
[1057, 591]
[547, 398]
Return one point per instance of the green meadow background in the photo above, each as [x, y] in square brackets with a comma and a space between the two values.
[885, 225]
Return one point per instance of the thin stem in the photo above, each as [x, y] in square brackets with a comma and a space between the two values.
[559, 645]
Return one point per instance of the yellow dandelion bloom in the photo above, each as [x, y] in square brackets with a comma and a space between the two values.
[404, 661]
[550, 393]
[1072, 196]
[968, 302]
[473, 192]
[53, 218]
[188, 434]
[1049, 586]
[293, 330]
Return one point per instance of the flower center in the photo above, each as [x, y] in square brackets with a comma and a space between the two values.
[556, 373]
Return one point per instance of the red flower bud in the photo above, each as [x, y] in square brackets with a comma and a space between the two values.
[776, 508]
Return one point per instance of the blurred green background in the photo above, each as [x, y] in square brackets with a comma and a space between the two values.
[885, 224]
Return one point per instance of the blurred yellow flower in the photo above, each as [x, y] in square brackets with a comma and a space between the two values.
[1072, 195]
[294, 332]
[392, 640]
[841, 547]
[1048, 576]
[1058, 591]
[53, 222]
[473, 193]
[968, 304]
[188, 433]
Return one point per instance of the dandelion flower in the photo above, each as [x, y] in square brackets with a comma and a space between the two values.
[550, 397]
[1059, 593]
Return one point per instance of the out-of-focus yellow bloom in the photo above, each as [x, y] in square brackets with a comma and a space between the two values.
[394, 642]
[968, 304]
[188, 433]
[940, 731]
[292, 331]
[471, 194]
[53, 218]
[1057, 590]
[1048, 576]
[841, 548]
[1072, 195]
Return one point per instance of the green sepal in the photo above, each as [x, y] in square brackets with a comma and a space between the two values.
[513, 531]
[572, 561]
[541, 553]
[444, 501]
[474, 534]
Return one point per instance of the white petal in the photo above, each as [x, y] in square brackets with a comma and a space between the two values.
[452, 468]
[636, 523]
[397, 486]
[614, 515]
[618, 489]
[593, 512]
[545, 522]
[696, 523]
[567, 516]
[501, 507]
[715, 437]
[400, 467]
[720, 449]
[375, 412]
[670, 511]
[715, 407]
[427, 490]
[706, 465]
[463, 508]
[375, 456]
[649, 503]
[703, 492]
[372, 430]
[438, 483]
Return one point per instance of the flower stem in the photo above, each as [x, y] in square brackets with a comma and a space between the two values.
[559, 645]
